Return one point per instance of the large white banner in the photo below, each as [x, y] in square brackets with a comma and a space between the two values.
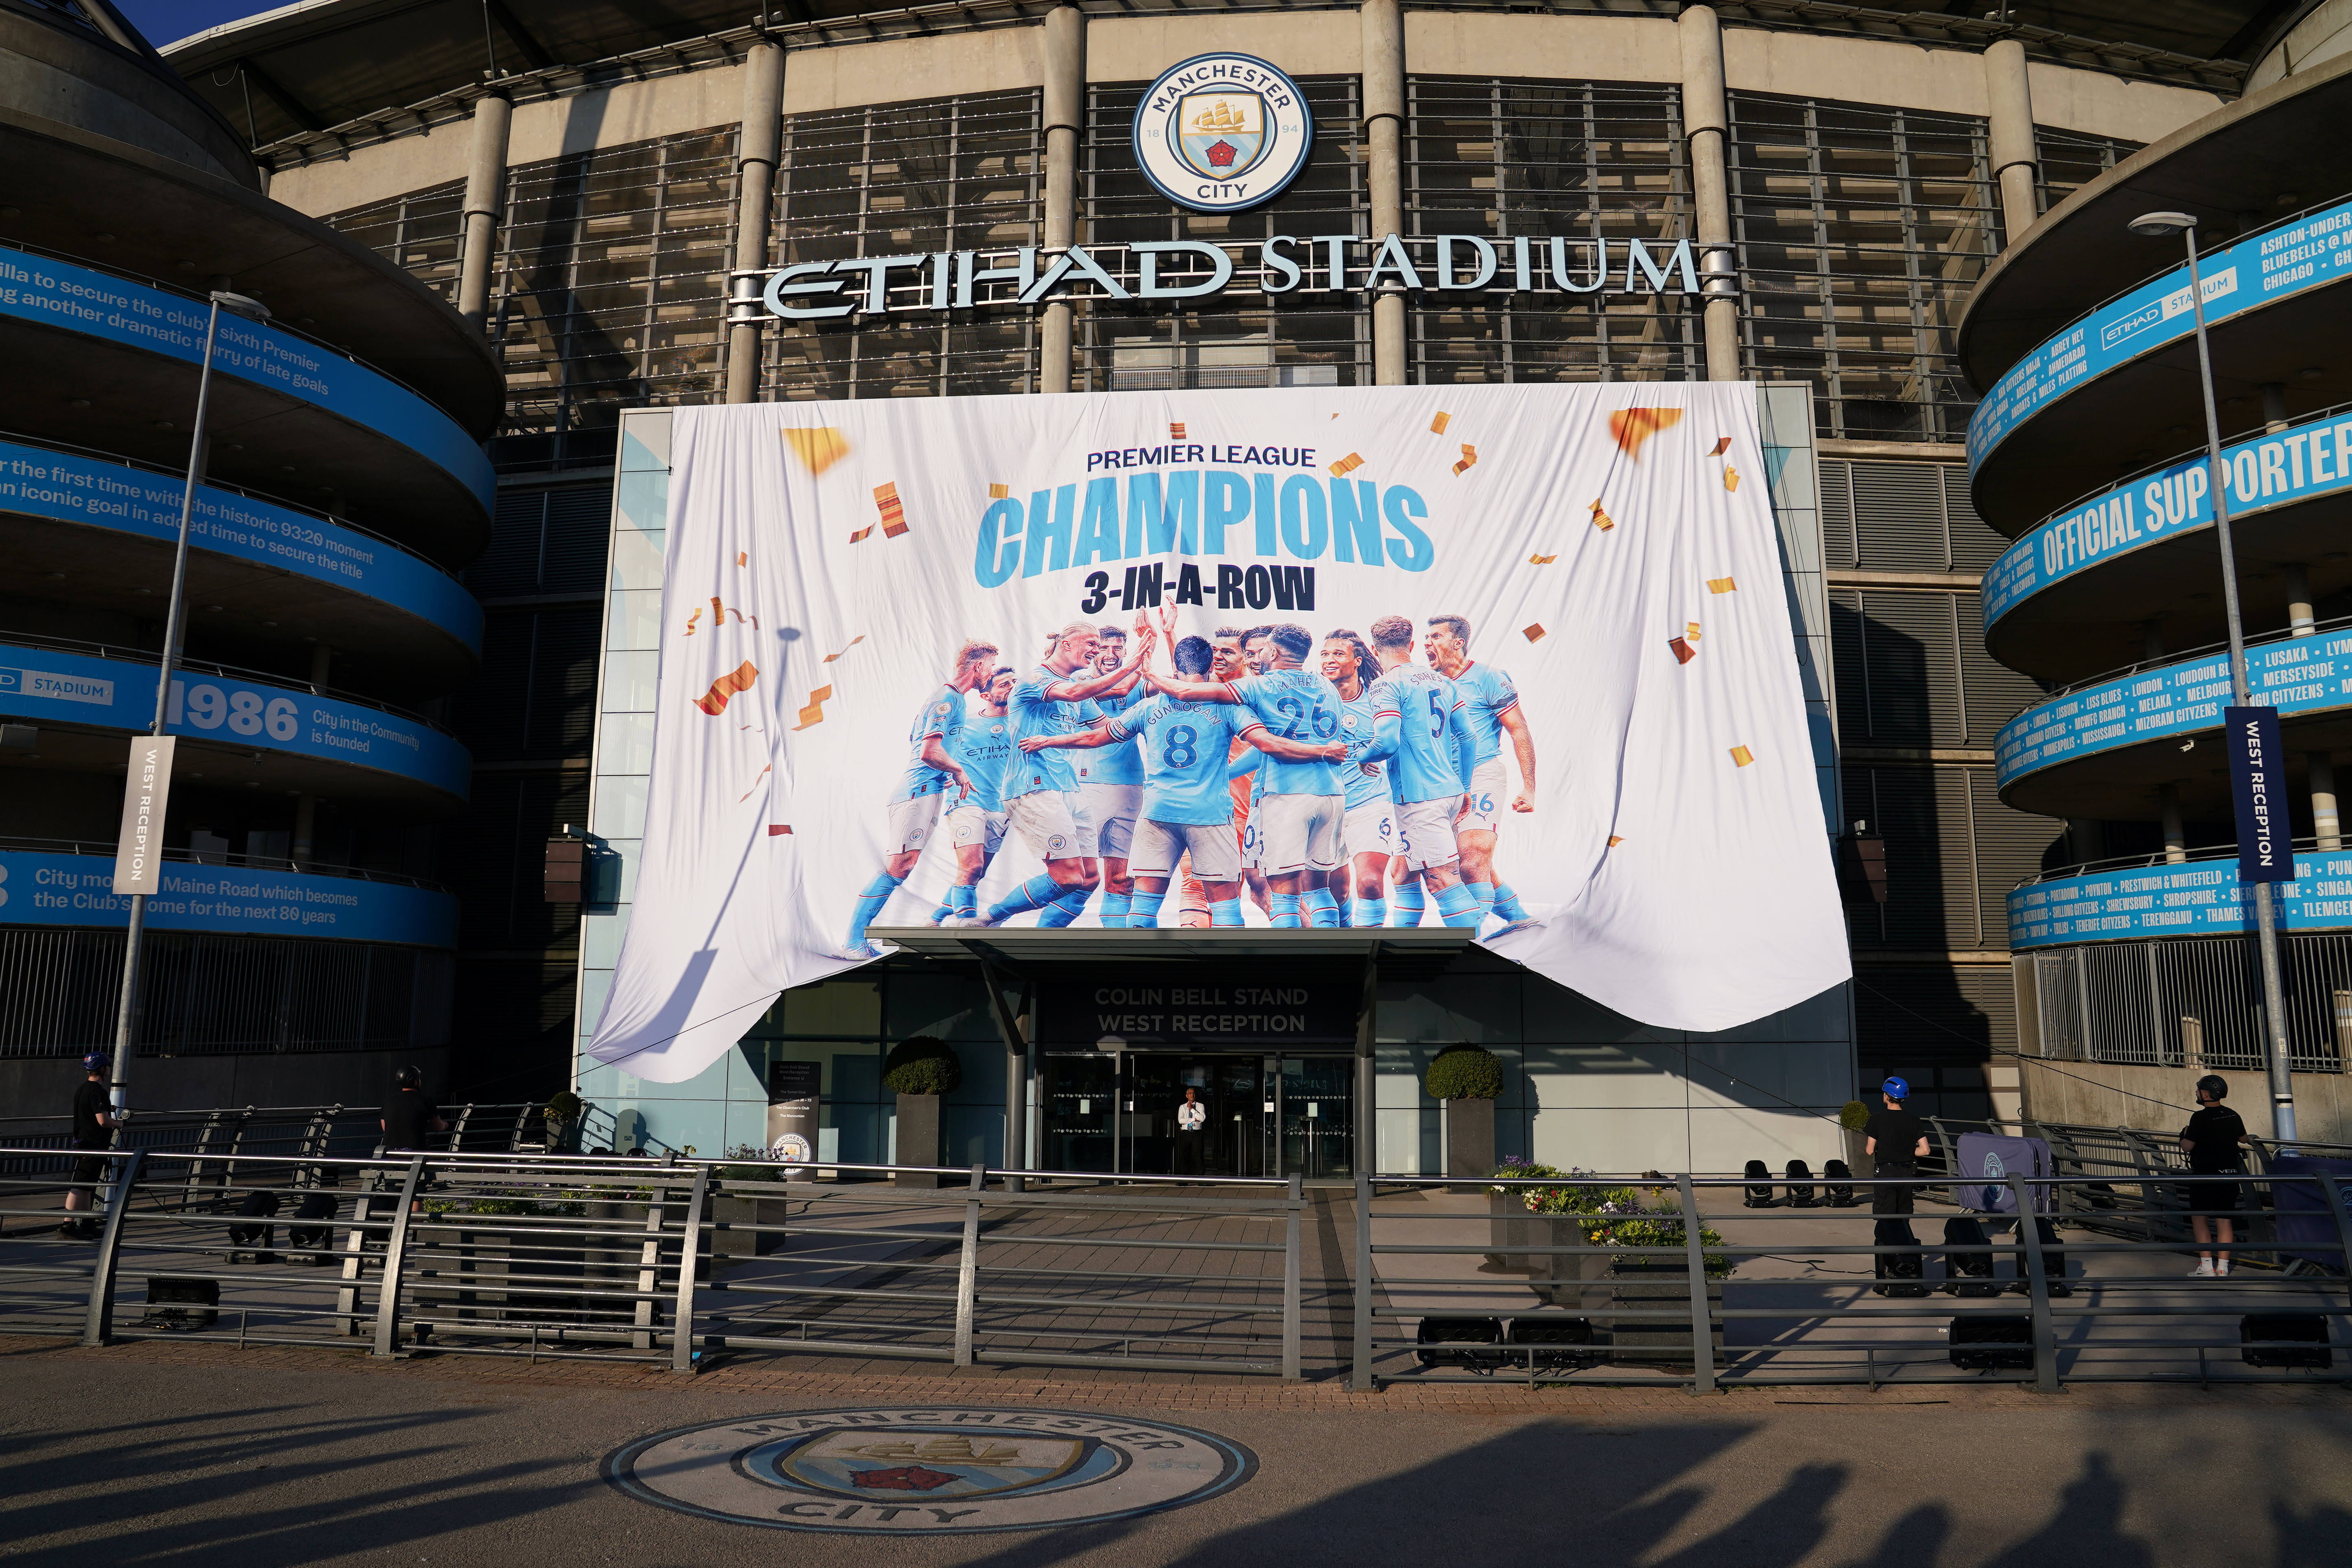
[869, 606]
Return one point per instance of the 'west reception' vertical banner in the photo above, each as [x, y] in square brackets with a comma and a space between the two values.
[2258, 780]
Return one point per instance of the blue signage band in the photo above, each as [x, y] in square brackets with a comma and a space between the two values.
[2195, 898]
[2308, 252]
[2305, 462]
[43, 889]
[76, 688]
[37, 482]
[67, 297]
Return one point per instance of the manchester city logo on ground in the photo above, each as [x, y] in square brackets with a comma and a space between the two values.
[928, 1469]
[1222, 131]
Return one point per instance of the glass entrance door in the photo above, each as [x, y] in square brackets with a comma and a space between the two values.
[1317, 1110]
[1266, 1115]
[1078, 1096]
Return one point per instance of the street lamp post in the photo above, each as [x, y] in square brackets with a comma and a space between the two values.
[2154, 225]
[126, 1012]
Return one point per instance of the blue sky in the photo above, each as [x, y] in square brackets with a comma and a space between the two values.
[165, 21]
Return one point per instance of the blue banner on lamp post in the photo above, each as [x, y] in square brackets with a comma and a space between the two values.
[2258, 780]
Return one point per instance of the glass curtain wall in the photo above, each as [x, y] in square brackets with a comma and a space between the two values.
[1307, 338]
[1581, 160]
[953, 174]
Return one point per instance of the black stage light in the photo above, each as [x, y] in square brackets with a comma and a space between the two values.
[1989, 1341]
[1759, 1198]
[1800, 1186]
[2054, 1263]
[179, 1303]
[1553, 1342]
[1899, 1273]
[307, 1234]
[1968, 1258]
[1472, 1342]
[2308, 1331]
[261, 1204]
[1840, 1177]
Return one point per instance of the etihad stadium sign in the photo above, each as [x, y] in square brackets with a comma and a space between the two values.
[1465, 263]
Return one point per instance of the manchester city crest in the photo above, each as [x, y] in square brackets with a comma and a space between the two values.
[928, 1469]
[1221, 133]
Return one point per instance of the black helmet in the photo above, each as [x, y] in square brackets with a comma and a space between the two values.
[2214, 1084]
[408, 1077]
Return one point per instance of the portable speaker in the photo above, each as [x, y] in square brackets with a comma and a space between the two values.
[1759, 1198]
[1556, 1341]
[1836, 1173]
[1460, 1342]
[1800, 1186]
[176, 1302]
[1991, 1342]
[2305, 1329]
[1968, 1258]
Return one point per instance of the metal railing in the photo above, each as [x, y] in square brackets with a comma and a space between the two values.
[224, 1136]
[1608, 1295]
[670, 1262]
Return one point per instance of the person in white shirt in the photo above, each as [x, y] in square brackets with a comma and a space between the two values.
[1191, 1133]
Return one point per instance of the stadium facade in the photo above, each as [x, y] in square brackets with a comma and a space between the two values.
[599, 188]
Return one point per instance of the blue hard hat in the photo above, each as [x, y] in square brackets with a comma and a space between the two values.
[97, 1061]
[1895, 1089]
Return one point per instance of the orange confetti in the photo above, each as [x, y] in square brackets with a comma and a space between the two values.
[1614, 840]
[894, 517]
[1469, 456]
[817, 449]
[690, 620]
[999, 492]
[845, 648]
[1721, 584]
[859, 536]
[742, 558]
[779, 829]
[1176, 429]
[1602, 520]
[1437, 425]
[1730, 477]
[1534, 633]
[1541, 560]
[1741, 756]
[1631, 427]
[1684, 652]
[740, 679]
[815, 712]
[1346, 465]
[1721, 446]
[763, 772]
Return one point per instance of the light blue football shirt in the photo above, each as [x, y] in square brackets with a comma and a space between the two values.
[942, 715]
[987, 742]
[1034, 713]
[1183, 746]
[1356, 726]
[1424, 766]
[1487, 694]
[1295, 705]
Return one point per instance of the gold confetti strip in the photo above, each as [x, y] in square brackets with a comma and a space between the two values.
[780, 829]
[1176, 429]
[1346, 465]
[1693, 633]
[894, 516]
[1721, 584]
[690, 620]
[999, 492]
[1614, 840]
[719, 613]
[1437, 425]
[1541, 560]
[1631, 427]
[817, 449]
[815, 712]
[1534, 633]
[845, 648]
[1721, 446]
[1602, 520]
[740, 679]
[1741, 756]
[1469, 456]
[1684, 652]
[1730, 477]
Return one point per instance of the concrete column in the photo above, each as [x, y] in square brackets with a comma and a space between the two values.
[1383, 46]
[486, 184]
[1707, 125]
[758, 147]
[2176, 837]
[2274, 418]
[2016, 160]
[1065, 110]
[2323, 820]
[2299, 618]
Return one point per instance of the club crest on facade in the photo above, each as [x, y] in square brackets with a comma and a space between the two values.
[1221, 133]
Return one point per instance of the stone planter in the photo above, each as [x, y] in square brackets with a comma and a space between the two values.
[1469, 1137]
[1509, 1227]
[740, 1203]
[1656, 1342]
[1576, 1280]
[1860, 1164]
[919, 1139]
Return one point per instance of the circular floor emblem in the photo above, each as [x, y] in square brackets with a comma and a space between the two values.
[1222, 131]
[928, 1469]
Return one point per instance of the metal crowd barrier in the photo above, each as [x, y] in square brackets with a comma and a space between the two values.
[1593, 1309]
[230, 1134]
[670, 1262]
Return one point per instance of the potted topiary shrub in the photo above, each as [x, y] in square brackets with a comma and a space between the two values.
[919, 1069]
[1852, 1119]
[562, 1118]
[1467, 1078]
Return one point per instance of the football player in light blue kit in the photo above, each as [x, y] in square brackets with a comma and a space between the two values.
[1041, 799]
[1493, 704]
[1366, 833]
[976, 822]
[914, 807]
[1187, 802]
[1111, 778]
[1422, 725]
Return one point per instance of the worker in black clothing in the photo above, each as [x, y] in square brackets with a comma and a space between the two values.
[408, 1115]
[1895, 1141]
[93, 1124]
[2210, 1140]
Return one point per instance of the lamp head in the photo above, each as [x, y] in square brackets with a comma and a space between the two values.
[252, 309]
[2158, 225]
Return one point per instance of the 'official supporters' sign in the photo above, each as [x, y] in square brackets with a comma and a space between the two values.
[1262, 658]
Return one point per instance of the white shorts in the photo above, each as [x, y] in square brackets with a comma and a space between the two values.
[1300, 832]
[1249, 843]
[968, 825]
[1425, 832]
[1114, 808]
[1158, 846]
[1051, 824]
[1369, 829]
[1489, 796]
[911, 822]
